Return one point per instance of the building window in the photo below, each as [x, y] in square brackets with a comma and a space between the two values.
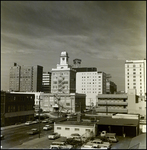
[133, 65]
[67, 104]
[76, 129]
[66, 128]
[58, 128]
[87, 130]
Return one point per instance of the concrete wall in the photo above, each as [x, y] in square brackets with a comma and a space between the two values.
[67, 129]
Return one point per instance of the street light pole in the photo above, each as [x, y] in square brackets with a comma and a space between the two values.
[39, 117]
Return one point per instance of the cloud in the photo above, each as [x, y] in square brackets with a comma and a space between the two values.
[91, 30]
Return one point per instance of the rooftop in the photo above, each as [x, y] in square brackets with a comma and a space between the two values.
[76, 123]
[118, 121]
[112, 96]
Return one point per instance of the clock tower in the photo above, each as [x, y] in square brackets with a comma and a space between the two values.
[63, 77]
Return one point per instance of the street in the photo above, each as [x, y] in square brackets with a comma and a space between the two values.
[18, 135]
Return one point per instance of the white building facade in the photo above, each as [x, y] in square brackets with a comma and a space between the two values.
[63, 78]
[91, 84]
[135, 76]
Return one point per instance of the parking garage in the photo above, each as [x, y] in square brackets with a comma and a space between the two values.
[122, 127]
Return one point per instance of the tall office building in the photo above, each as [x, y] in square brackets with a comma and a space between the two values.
[63, 77]
[91, 83]
[111, 87]
[46, 82]
[135, 76]
[14, 78]
[26, 78]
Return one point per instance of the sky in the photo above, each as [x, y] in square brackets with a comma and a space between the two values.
[103, 34]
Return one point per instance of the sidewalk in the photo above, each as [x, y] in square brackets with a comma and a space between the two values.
[12, 126]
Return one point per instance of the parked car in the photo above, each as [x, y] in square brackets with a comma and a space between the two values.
[53, 136]
[112, 139]
[45, 121]
[28, 123]
[47, 127]
[101, 143]
[75, 136]
[35, 121]
[33, 131]
[61, 145]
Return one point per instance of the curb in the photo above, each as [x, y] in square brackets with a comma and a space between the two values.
[12, 126]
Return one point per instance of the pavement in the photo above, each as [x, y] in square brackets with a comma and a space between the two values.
[12, 126]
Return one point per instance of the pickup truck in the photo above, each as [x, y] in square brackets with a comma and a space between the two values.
[53, 136]
[111, 137]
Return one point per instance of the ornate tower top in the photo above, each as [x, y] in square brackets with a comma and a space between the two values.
[64, 54]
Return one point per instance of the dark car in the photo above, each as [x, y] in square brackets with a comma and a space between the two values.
[33, 131]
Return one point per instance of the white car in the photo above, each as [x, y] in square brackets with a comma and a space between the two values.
[75, 136]
[101, 143]
[61, 145]
[28, 123]
[47, 127]
[53, 136]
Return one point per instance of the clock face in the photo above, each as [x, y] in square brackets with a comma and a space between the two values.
[63, 58]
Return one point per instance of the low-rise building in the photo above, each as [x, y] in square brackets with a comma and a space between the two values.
[67, 128]
[108, 104]
[16, 108]
[70, 103]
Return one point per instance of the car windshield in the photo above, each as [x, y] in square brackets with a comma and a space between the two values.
[75, 134]
[58, 143]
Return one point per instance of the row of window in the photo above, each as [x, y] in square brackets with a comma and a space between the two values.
[13, 108]
[76, 129]
[60, 73]
[134, 73]
[134, 66]
[91, 76]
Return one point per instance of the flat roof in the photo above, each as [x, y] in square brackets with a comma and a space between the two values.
[112, 96]
[82, 123]
[118, 121]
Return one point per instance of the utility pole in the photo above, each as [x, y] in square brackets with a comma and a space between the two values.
[39, 116]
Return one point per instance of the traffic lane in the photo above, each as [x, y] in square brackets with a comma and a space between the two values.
[22, 129]
[17, 141]
[19, 135]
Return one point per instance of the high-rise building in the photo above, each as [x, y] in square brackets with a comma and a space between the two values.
[26, 78]
[14, 81]
[135, 76]
[46, 82]
[63, 77]
[111, 87]
[91, 83]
